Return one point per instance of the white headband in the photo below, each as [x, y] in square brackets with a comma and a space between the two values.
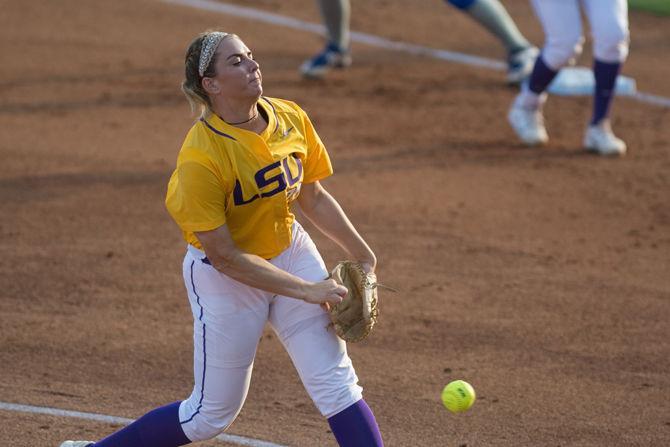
[209, 45]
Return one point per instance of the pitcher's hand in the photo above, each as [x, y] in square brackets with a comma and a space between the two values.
[324, 292]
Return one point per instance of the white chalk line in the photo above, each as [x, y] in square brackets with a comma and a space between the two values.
[652, 99]
[372, 40]
[233, 439]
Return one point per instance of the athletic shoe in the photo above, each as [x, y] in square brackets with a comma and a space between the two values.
[520, 64]
[331, 57]
[77, 443]
[601, 140]
[528, 124]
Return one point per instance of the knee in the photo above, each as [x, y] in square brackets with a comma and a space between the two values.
[462, 4]
[611, 45]
[332, 401]
[334, 387]
[561, 51]
[205, 427]
[201, 422]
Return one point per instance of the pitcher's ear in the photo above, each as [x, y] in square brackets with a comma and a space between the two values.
[211, 85]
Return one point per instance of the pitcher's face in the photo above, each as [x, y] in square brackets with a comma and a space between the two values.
[238, 75]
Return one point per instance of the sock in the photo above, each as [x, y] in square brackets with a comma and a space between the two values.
[493, 16]
[158, 428]
[356, 426]
[605, 74]
[541, 76]
[336, 15]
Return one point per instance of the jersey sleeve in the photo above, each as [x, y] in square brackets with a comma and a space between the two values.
[317, 162]
[196, 198]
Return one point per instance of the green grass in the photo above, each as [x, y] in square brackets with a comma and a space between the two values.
[656, 6]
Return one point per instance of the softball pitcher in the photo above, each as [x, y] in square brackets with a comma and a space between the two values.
[248, 260]
[561, 21]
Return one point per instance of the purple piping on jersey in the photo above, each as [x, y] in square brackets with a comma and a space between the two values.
[216, 131]
[204, 351]
[273, 111]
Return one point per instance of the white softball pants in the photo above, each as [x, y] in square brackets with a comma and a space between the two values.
[228, 322]
[562, 24]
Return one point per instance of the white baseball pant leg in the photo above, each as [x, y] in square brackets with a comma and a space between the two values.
[609, 28]
[228, 323]
[304, 329]
[562, 25]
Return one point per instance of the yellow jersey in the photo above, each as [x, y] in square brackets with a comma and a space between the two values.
[232, 176]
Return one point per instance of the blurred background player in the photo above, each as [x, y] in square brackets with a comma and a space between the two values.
[491, 14]
[561, 21]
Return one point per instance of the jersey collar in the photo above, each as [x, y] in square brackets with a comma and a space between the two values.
[220, 127]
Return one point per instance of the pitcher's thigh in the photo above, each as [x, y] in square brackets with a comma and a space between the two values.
[228, 322]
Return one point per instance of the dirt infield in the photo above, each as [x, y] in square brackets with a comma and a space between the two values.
[541, 276]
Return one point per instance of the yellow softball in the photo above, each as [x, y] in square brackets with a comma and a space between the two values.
[458, 396]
